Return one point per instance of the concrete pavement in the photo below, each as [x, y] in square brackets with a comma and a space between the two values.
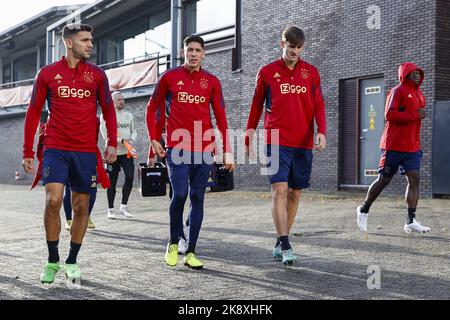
[123, 258]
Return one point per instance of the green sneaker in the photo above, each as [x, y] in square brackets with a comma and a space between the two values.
[72, 271]
[171, 255]
[191, 261]
[91, 225]
[68, 225]
[50, 270]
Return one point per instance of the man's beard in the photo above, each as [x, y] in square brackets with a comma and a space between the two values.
[79, 55]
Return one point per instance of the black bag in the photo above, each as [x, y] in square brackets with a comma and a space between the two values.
[152, 181]
[223, 178]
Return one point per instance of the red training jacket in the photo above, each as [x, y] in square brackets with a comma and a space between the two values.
[72, 96]
[402, 129]
[293, 99]
[184, 98]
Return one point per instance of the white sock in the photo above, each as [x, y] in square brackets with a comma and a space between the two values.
[123, 206]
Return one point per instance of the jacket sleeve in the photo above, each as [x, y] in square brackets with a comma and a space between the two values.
[218, 105]
[395, 111]
[155, 117]
[156, 113]
[257, 106]
[33, 114]
[319, 105]
[107, 107]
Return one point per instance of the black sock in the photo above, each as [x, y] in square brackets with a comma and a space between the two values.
[365, 207]
[284, 240]
[191, 248]
[411, 215]
[278, 242]
[73, 253]
[53, 255]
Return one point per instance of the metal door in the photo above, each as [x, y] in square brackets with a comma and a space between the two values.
[371, 97]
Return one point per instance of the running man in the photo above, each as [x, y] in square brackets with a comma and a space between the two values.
[400, 145]
[72, 86]
[126, 133]
[290, 88]
[185, 94]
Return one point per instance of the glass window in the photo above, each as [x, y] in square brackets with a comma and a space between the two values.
[25, 67]
[152, 41]
[215, 14]
[156, 39]
[6, 72]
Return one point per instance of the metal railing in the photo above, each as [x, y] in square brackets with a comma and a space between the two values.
[163, 60]
[16, 84]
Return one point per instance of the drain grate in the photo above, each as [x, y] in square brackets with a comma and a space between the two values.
[315, 232]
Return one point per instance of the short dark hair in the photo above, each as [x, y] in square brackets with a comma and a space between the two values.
[293, 35]
[190, 39]
[73, 28]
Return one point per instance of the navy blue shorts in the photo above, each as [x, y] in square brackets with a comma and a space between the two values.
[294, 166]
[390, 161]
[77, 168]
[186, 166]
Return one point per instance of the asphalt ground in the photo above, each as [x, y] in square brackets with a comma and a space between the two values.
[124, 258]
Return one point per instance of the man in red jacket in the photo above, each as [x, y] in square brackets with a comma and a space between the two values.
[72, 87]
[290, 88]
[400, 145]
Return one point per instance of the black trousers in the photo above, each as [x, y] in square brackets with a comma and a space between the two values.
[127, 164]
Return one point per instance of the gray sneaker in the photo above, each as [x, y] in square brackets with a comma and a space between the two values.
[288, 257]
[276, 253]
[124, 211]
[111, 214]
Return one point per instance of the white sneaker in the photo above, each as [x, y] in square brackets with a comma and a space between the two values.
[186, 233]
[415, 227]
[361, 219]
[182, 246]
[124, 211]
[111, 214]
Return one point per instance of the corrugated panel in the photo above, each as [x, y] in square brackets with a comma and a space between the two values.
[348, 132]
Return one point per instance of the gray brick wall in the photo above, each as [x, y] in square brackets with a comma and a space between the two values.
[341, 46]
[11, 142]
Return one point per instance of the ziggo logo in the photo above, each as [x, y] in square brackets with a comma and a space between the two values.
[67, 92]
[290, 88]
[185, 97]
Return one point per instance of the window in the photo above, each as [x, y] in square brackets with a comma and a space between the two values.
[212, 19]
[6, 72]
[215, 14]
[156, 40]
[25, 67]
[218, 22]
